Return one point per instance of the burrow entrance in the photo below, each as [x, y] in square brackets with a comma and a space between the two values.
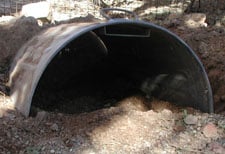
[108, 64]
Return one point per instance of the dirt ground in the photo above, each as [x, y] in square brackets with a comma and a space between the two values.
[131, 126]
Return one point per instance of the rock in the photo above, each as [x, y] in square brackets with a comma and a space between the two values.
[210, 130]
[8, 134]
[11, 116]
[52, 151]
[54, 127]
[216, 147]
[221, 124]
[167, 113]
[203, 47]
[5, 19]
[179, 128]
[33, 10]
[195, 20]
[221, 141]
[41, 116]
[191, 119]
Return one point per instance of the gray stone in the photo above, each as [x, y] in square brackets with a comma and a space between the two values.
[54, 127]
[191, 119]
[41, 116]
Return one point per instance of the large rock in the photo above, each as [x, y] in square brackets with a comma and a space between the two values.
[39, 10]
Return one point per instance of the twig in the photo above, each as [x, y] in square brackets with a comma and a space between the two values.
[186, 149]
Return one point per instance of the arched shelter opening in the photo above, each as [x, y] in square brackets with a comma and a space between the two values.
[82, 67]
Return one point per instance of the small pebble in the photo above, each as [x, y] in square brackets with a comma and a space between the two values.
[221, 123]
[191, 119]
[41, 115]
[210, 130]
[216, 148]
[54, 127]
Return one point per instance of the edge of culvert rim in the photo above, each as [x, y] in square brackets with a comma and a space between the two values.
[92, 26]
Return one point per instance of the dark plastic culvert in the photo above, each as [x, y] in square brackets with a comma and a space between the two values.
[95, 64]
